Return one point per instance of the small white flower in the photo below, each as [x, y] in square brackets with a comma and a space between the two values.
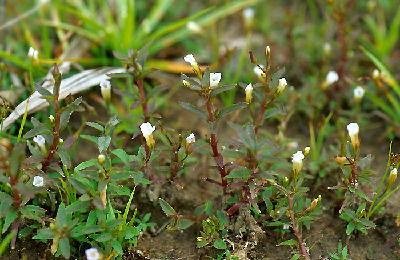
[191, 139]
[358, 93]
[147, 129]
[51, 118]
[248, 13]
[327, 48]
[249, 93]
[92, 254]
[285, 227]
[191, 60]
[281, 85]
[297, 160]
[39, 140]
[194, 27]
[186, 83]
[353, 131]
[33, 54]
[215, 78]
[38, 181]
[331, 77]
[376, 74]
[105, 87]
[259, 72]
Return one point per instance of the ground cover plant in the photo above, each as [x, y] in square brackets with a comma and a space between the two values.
[220, 129]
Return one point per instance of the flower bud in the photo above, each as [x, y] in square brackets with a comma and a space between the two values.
[314, 204]
[353, 130]
[392, 177]
[341, 160]
[281, 86]
[297, 161]
[307, 150]
[103, 196]
[101, 159]
[61, 141]
[376, 74]
[189, 141]
[185, 83]
[267, 51]
[33, 54]
[194, 27]
[192, 61]
[331, 78]
[259, 72]
[248, 16]
[249, 93]
[327, 48]
[358, 94]
[105, 87]
[147, 131]
[51, 118]
[41, 142]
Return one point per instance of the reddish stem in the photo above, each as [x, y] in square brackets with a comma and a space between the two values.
[296, 231]
[143, 101]
[219, 160]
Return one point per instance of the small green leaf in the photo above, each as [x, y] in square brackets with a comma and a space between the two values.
[350, 228]
[239, 173]
[10, 217]
[117, 247]
[183, 223]
[193, 109]
[84, 165]
[95, 126]
[64, 247]
[103, 142]
[290, 242]
[227, 110]
[166, 208]
[44, 234]
[220, 244]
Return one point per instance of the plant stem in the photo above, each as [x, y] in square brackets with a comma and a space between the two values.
[143, 101]
[56, 128]
[219, 160]
[296, 231]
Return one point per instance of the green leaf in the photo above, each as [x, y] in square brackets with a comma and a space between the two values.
[64, 156]
[290, 242]
[103, 142]
[193, 109]
[84, 165]
[219, 244]
[117, 247]
[183, 223]
[10, 217]
[227, 110]
[222, 89]
[44, 234]
[6, 241]
[64, 247]
[123, 156]
[166, 208]
[95, 126]
[350, 228]
[239, 173]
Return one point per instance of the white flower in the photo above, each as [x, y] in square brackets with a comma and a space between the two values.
[191, 139]
[259, 72]
[105, 87]
[147, 129]
[353, 130]
[38, 181]
[33, 54]
[39, 140]
[376, 74]
[327, 48]
[51, 118]
[215, 78]
[92, 254]
[194, 27]
[281, 85]
[249, 93]
[358, 93]
[248, 15]
[331, 77]
[297, 160]
[191, 60]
